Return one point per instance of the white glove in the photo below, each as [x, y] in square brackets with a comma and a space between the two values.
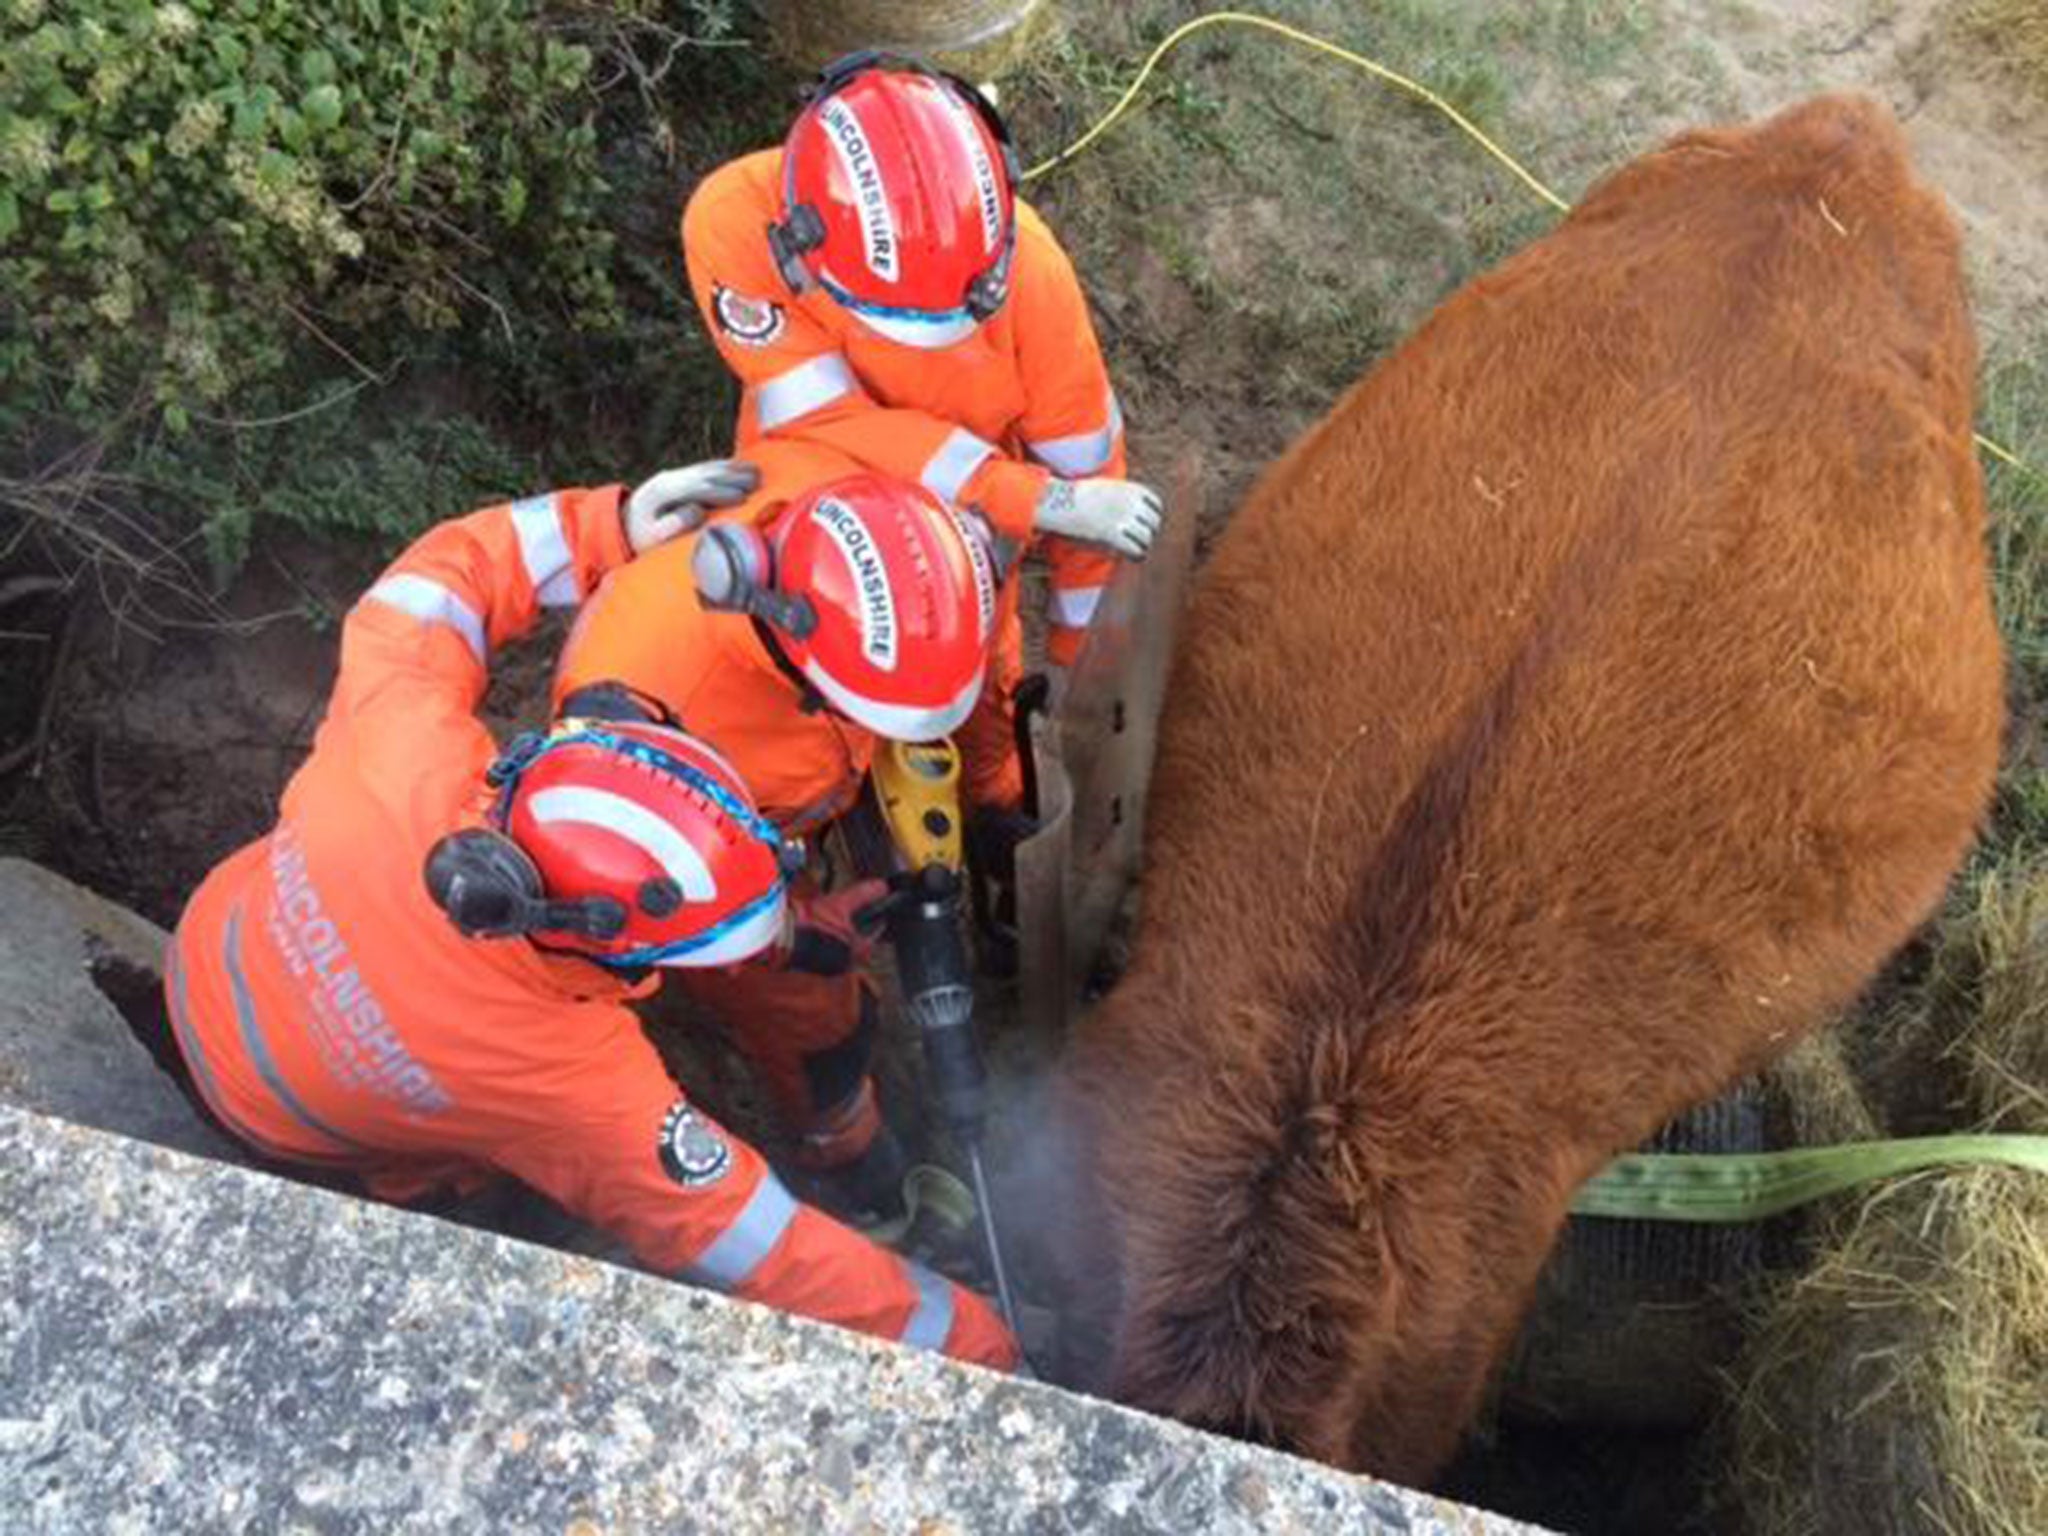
[1120, 516]
[675, 501]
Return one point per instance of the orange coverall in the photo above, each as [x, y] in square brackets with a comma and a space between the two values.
[645, 627]
[330, 1014]
[985, 422]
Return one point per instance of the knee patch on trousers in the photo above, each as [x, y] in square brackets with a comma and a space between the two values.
[835, 1074]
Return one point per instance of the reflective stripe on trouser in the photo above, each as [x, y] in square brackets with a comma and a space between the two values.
[201, 1065]
[787, 1024]
[1075, 607]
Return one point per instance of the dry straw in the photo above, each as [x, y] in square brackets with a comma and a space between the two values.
[1900, 1384]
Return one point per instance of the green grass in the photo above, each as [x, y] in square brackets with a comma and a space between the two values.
[2013, 411]
[1267, 221]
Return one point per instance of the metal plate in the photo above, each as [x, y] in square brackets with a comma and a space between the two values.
[1094, 761]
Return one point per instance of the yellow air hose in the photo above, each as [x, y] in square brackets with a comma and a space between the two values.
[1400, 82]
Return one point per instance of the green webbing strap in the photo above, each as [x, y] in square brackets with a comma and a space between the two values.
[927, 1190]
[1739, 1186]
[1645, 1186]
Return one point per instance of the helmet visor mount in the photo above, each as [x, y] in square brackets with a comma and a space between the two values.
[745, 933]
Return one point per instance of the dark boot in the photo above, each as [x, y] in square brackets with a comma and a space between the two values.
[852, 1164]
[869, 1190]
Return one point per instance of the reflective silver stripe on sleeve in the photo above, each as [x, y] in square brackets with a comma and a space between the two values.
[544, 550]
[947, 472]
[1084, 452]
[1074, 607]
[259, 1048]
[933, 1319]
[740, 1248]
[431, 603]
[802, 390]
[559, 591]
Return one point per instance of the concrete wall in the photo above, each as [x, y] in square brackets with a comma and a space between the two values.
[186, 1345]
[64, 1047]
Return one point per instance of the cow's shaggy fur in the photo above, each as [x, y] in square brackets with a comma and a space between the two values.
[1581, 711]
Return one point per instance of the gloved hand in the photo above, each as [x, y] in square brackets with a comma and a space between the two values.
[835, 933]
[992, 838]
[675, 501]
[1120, 516]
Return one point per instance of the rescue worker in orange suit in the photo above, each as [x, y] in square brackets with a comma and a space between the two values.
[879, 289]
[420, 976]
[833, 606]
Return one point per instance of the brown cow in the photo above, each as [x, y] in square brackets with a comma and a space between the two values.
[1579, 713]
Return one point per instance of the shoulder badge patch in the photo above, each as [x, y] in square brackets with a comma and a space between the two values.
[693, 1153]
[750, 322]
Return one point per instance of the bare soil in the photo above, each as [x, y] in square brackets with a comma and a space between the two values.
[1977, 127]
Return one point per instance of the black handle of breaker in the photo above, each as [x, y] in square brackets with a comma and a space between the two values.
[931, 964]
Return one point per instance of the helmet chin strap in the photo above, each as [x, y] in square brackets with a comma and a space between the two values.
[599, 919]
[794, 616]
[789, 241]
[811, 701]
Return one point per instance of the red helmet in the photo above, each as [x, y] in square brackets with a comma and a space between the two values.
[646, 847]
[880, 594]
[899, 200]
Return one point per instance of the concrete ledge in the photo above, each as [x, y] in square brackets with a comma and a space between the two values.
[186, 1345]
[64, 1048]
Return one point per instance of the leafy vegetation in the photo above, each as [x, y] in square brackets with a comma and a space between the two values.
[185, 182]
[250, 248]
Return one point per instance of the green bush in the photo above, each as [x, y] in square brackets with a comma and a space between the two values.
[189, 192]
[383, 471]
